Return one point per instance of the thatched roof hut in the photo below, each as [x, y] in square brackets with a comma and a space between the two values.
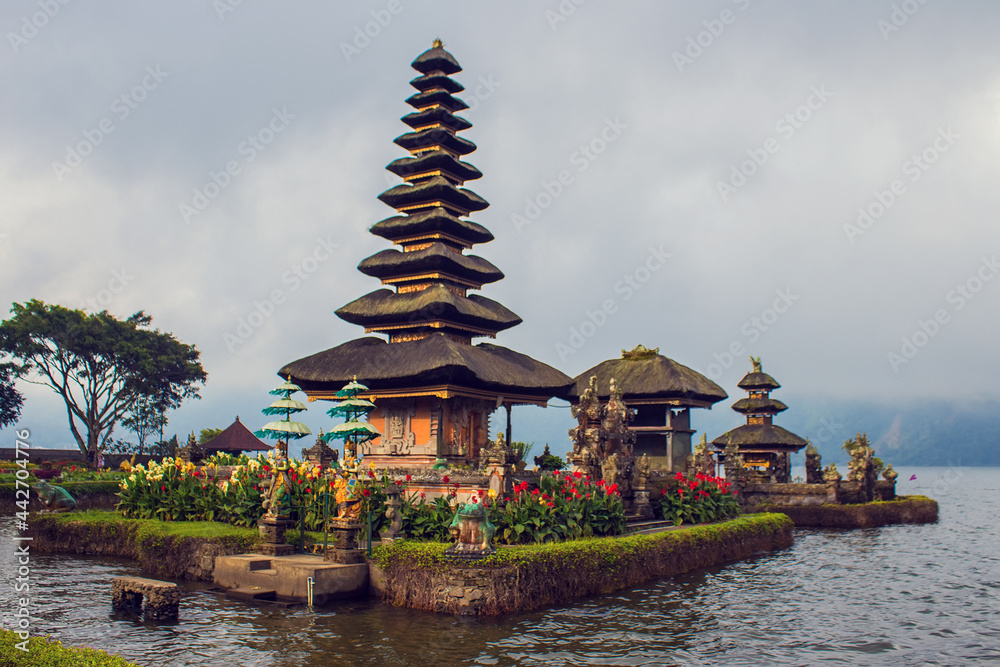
[235, 440]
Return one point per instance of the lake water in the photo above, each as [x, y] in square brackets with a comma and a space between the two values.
[899, 595]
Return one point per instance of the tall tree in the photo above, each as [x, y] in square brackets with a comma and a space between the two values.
[10, 398]
[99, 365]
[144, 418]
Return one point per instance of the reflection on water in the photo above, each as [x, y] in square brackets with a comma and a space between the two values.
[900, 595]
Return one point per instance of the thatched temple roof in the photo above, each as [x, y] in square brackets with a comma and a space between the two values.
[435, 360]
[235, 439]
[645, 374]
[761, 437]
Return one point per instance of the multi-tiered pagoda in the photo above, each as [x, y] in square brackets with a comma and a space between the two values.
[764, 447]
[434, 390]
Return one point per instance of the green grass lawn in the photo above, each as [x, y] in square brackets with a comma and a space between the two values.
[48, 652]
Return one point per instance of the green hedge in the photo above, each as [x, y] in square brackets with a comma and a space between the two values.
[163, 548]
[48, 652]
[75, 488]
[904, 509]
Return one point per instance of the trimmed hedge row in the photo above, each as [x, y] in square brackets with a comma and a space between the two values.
[523, 578]
[48, 652]
[170, 549]
[904, 509]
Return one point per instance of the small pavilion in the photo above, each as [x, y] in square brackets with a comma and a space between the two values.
[235, 440]
[764, 447]
[433, 389]
[662, 393]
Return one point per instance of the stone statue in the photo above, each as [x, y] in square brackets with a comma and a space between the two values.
[472, 531]
[814, 465]
[345, 492]
[832, 475]
[641, 472]
[278, 490]
[889, 473]
[55, 498]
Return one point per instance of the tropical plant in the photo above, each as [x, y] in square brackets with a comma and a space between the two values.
[699, 498]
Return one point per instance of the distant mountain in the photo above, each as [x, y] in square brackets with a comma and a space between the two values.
[924, 433]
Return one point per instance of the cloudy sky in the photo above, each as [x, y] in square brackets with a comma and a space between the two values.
[815, 183]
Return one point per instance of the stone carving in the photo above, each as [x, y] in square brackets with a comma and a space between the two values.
[399, 440]
[55, 498]
[814, 466]
[832, 475]
[472, 531]
[889, 473]
[322, 454]
[393, 514]
[862, 467]
[192, 452]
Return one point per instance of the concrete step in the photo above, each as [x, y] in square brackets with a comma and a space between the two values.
[251, 594]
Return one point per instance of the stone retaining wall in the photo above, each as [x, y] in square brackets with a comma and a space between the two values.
[525, 578]
[191, 558]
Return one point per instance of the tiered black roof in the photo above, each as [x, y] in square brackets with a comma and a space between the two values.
[429, 317]
[759, 434]
[431, 274]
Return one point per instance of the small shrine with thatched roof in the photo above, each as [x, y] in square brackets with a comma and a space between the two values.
[763, 446]
[661, 392]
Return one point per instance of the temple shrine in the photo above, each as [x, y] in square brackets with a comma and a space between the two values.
[434, 390]
[662, 393]
[763, 446]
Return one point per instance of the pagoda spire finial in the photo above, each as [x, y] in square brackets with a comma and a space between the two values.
[437, 44]
[756, 364]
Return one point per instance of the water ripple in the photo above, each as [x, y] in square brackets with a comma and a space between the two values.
[900, 595]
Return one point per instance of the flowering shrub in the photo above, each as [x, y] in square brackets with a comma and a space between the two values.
[564, 506]
[698, 499]
[177, 491]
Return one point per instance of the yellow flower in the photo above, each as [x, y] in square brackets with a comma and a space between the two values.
[492, 493]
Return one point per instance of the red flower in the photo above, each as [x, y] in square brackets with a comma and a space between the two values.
[309, 490]
[203, 487]
[663, 492]
[423, 495]
[366, 492]
[679, 475]
[371, 473]
[163, 488]
[600, 482]
[545, 496]
[535, 492]
[680, 492]
[445, 479]
[613, 488]
[408, 478]
[578, 474]
[550, 504]
[194, 474]
[456, 485]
